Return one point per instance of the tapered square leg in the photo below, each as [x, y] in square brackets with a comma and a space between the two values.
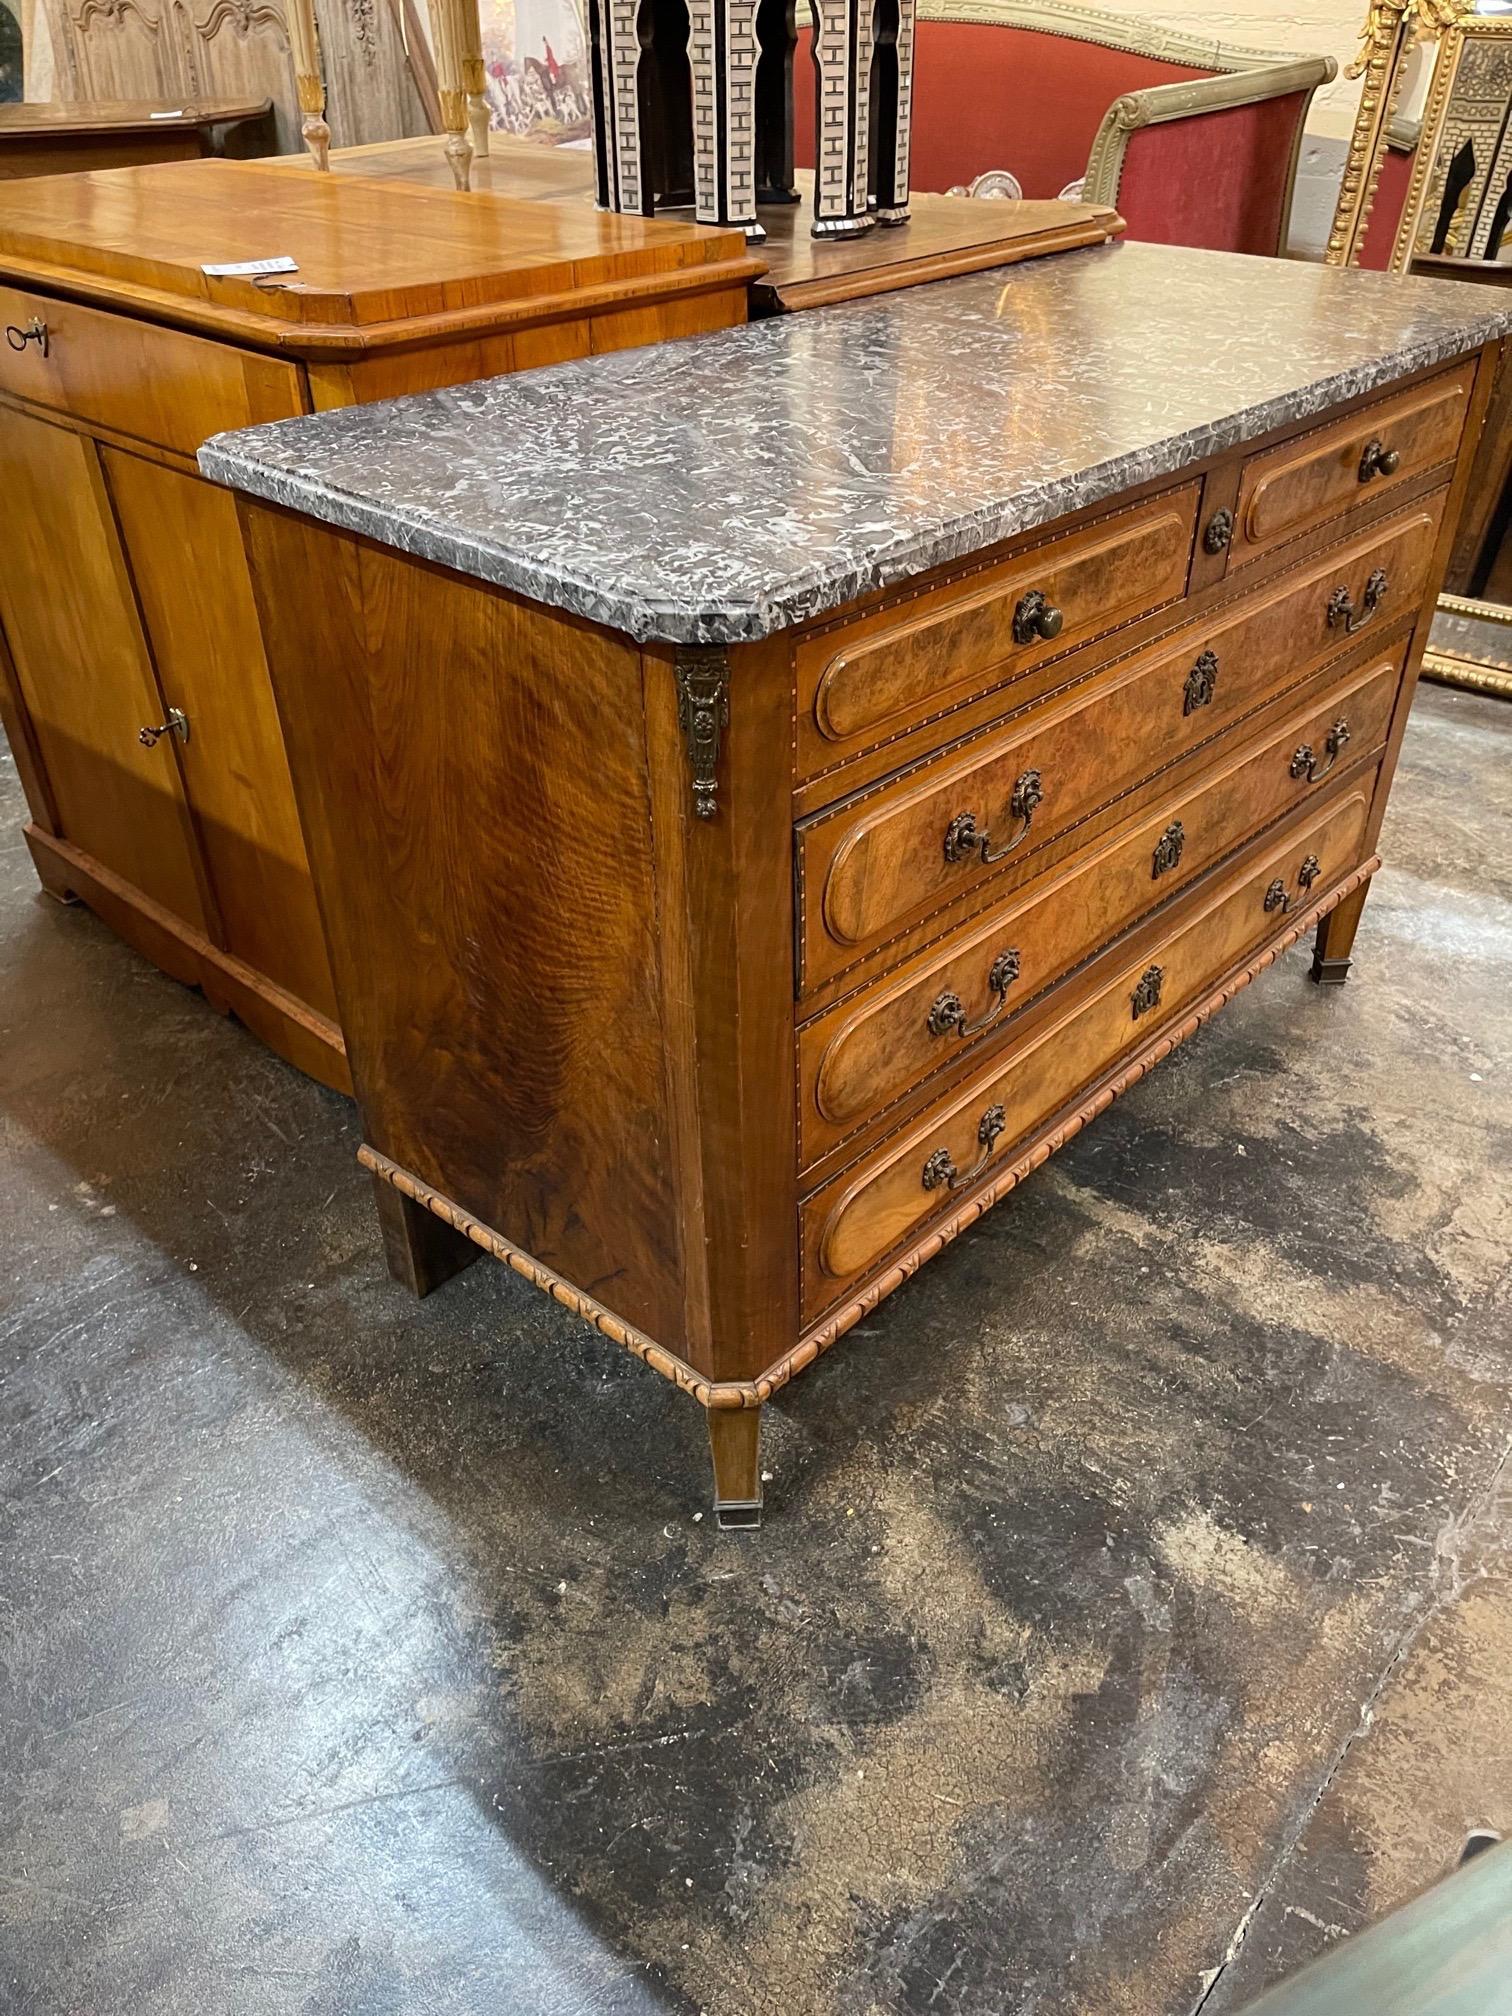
[421, 1249]
[735, 1443]
[1335, 940]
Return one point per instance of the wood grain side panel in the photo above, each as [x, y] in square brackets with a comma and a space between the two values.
[472, 778]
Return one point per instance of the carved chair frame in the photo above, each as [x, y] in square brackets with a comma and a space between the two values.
[1246, 76]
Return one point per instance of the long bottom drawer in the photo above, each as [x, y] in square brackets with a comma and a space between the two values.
[855, 1221]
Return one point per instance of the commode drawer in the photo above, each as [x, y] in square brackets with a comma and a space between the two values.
[136, 378]
[851, 1224]
[961, 1002]
[880, 675]
[1303, 483]
[940, 835]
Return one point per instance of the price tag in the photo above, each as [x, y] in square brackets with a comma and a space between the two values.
[177, 114]
[244, 269]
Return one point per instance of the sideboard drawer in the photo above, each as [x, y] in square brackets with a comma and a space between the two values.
[136, 378]
[1301, 484]
[853, 1222]
[877, 677]
[941, 832]
[858, 1058]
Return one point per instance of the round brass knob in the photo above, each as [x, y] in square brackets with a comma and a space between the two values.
[1035, 617]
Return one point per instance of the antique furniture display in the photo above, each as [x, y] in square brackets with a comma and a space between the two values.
[376, 59]
[1444, 211]
[759, 822]
[1192, 141]
[946, 235]
[693, 101]
[50, 139]
[134, 689]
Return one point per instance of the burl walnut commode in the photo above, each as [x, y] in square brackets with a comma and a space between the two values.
[765, 794]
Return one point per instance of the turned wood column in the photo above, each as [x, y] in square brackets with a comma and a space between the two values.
[304, 45]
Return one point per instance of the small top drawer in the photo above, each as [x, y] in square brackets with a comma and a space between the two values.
[1303, 483]
[867, 681]
[135, 378]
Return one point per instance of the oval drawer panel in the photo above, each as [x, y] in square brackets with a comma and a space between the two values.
[852, 1223]
[858, 1058]
[884, 673]
[1302, 483]
[939, 836]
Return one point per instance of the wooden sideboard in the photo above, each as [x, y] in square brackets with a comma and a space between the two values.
[38, 139]
[715, 986]
[133, 684]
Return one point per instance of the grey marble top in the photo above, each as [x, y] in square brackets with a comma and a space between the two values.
[718, 489]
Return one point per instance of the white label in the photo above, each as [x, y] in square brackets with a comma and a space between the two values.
[167, 115]
[238, 269]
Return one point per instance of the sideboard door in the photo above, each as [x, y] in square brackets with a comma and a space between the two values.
[191, 576]
[83, 668]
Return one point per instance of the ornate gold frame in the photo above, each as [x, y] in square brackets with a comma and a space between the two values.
[1454, 668]
[1393, 28]
[1454, 37]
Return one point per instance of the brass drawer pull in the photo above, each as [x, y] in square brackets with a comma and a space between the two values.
[1147, 994]
[1341, 608]
[1200, 682]
[940, 1168]
[949, 1011]
[1304, 763]
[176, 724]
[34, 332]
[1168, 849]
[1378, 460]
[1277, 896]
[1035, 617]
[963, 837]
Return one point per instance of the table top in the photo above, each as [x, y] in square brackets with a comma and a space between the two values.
[944, 236]
[124, 115]
[377, 261]
[721, 488]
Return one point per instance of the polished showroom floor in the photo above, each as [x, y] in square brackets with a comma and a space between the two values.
[1135, 1580]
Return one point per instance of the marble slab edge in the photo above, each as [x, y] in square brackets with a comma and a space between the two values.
[808, 594]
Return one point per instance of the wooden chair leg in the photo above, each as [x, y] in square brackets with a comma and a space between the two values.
[1336, 936]
[735, 1443]
[421, 1249]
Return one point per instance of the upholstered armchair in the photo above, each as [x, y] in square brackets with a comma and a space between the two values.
[1193, 142]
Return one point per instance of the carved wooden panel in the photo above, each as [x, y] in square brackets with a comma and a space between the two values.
[124, 49]
[167, 49]
[239, 48]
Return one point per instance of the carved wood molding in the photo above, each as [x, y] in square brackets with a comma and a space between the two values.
[706, 1392]
[755, 1392]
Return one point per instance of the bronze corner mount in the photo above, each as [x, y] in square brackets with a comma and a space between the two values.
[703, 713]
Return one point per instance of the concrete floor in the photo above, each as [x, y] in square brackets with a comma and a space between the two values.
[1136, 1580]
